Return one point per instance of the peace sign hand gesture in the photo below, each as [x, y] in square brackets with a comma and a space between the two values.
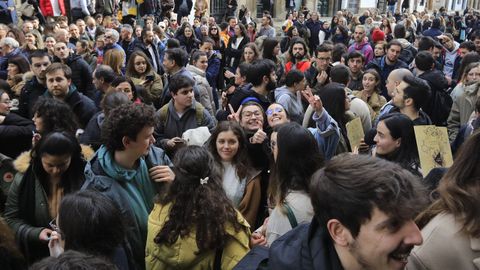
[313, 100]
[234, 116]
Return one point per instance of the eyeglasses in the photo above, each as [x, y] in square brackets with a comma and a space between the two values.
[274, 110]
[250, 114]
[108, 36]
[54, 226]
[273, 144]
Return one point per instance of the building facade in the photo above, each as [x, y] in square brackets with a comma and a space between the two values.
[327, 8]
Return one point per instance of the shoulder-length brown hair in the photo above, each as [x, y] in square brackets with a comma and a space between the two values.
[254, 48]
[131, 72]
[114, 59]
[459, 190]
[241, 159]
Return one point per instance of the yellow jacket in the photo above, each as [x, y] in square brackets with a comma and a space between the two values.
[181, 255]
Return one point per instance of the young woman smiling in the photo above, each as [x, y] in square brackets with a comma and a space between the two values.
[241, 182]
[371, 92]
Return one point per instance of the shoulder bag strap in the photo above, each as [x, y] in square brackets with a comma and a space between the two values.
[290, 215]
[217, 264]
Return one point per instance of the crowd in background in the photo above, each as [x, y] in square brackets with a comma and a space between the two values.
[133, 136]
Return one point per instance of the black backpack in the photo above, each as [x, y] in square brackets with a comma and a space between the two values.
[257, 257]
[408, 54]
[442, 106]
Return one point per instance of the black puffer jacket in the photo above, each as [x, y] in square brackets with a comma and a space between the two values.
[15, 135]
[92, 133]
[81, 74]
[436, 106]
[308, 246]
[31, 92]
[83, 107]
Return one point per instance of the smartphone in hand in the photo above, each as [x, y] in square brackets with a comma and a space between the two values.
[149, 78]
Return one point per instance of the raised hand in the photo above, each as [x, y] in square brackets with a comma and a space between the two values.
[45, 235]
[259, 136]
[228, 74]
[322, 77]
[54, 245]
[234, 116]
[161, 173]
[313, 100]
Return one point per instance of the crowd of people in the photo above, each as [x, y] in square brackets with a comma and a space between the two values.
[168, 143]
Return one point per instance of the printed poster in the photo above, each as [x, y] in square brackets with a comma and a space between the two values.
[433, 147]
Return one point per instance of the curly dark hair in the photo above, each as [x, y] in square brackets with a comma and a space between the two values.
[56, 116]
[126, 120]
[201, 208]
[241, 159]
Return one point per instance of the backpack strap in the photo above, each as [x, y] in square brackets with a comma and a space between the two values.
[163, 114]
[199, 116]
[217, 263]
[290, 215]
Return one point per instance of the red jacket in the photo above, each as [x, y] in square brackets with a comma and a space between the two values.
[302, 66]
[47, 9]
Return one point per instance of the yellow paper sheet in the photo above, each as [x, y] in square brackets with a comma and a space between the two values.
[433, 148]
[355, 132]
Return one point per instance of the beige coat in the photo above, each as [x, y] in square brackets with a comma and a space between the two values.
[445, 247]
[462, 108]
[375, 102]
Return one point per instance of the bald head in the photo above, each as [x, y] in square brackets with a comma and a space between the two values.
[62, 35]
[395, 78]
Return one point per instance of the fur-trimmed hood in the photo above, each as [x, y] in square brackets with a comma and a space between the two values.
[22, 162]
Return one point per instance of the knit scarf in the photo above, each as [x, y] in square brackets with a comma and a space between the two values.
[137, 184]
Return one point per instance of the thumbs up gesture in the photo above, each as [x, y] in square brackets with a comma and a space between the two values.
[259, 136]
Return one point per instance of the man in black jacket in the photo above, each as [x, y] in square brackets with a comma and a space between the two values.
[438, 106]
[82, 74]
[59, 84]
[147, 45]
[261, 75]
[408, 51]
[386, 64]
[35, 87]
[355, 225]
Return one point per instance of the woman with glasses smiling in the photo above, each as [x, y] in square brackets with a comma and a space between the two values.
[55, 170]
[241, 182]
